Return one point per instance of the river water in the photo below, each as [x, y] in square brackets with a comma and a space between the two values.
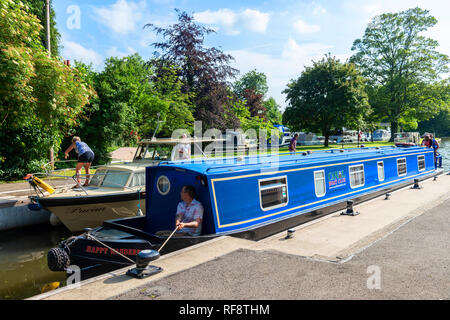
[23, 254]
[23, 260]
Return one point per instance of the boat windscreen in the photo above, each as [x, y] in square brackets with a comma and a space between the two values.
[115, 179]
[98, 177]
[144, 152]
[149, 152]
[138, 179]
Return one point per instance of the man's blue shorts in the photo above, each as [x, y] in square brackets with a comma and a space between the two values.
[86, 157]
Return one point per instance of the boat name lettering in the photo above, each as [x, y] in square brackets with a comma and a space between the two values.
[103, 250]
[80, 210]
[336, 179]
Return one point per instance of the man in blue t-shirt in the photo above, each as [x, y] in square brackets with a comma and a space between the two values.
[85, 158]
[435, 147]
[293, 143]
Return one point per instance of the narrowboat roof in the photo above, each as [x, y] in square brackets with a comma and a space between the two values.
[246, 163]
[173, 141]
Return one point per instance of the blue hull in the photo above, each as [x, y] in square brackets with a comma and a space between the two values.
[233, 194]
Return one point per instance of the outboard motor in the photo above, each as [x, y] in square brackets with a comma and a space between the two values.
[143, 269]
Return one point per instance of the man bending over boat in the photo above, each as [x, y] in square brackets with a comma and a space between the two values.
[85, 158]
[189, 213]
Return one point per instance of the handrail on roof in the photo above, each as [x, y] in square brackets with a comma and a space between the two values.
[338, 151]
[300, 152]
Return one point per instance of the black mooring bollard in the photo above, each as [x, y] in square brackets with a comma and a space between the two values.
[143, 269]
[387, 196]
[290, 234]
[416, 184]
[350, 211]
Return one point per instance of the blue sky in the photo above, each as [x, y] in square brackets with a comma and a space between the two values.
[275, 37]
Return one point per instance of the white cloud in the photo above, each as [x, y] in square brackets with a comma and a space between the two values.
[114, 52]
[75, 51]
[255, 20]
[227, 20]
[122, 16]
[224, 18]
[373, 9]
[147, 38]
[302, 27]
[288, 65]
[318, 9]
[298, 53]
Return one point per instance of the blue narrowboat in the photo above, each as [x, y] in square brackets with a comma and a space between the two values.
[250, 197]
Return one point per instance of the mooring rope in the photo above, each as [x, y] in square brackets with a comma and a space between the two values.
[173, 232]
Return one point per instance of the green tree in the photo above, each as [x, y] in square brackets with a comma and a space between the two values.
[439, 124]
[402, 66]
[252, 88]
[273, 113]
[327, 96]
[246, 120]
[253, 80]
[131, 93]
[40, 97]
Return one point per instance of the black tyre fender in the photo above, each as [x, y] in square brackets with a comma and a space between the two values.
[58, 259]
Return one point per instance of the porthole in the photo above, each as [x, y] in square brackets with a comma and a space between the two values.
[163, 185]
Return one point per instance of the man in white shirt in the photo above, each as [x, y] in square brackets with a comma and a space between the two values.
[189, 214]
[182, 151]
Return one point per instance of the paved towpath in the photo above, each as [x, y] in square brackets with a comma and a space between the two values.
[411, 263]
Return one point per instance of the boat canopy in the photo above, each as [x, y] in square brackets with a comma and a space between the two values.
[172, 141]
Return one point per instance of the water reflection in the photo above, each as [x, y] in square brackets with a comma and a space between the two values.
[23, 260]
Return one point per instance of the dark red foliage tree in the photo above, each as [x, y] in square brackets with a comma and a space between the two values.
[204, 71]
[254, 102]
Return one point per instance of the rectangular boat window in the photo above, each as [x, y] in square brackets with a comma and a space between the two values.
[97, 178]
[273, 193]
[401, 166]
[319, 183]
[380, 167]
[115, 179]
[138, 179]
[421, 162]
[356, 175]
